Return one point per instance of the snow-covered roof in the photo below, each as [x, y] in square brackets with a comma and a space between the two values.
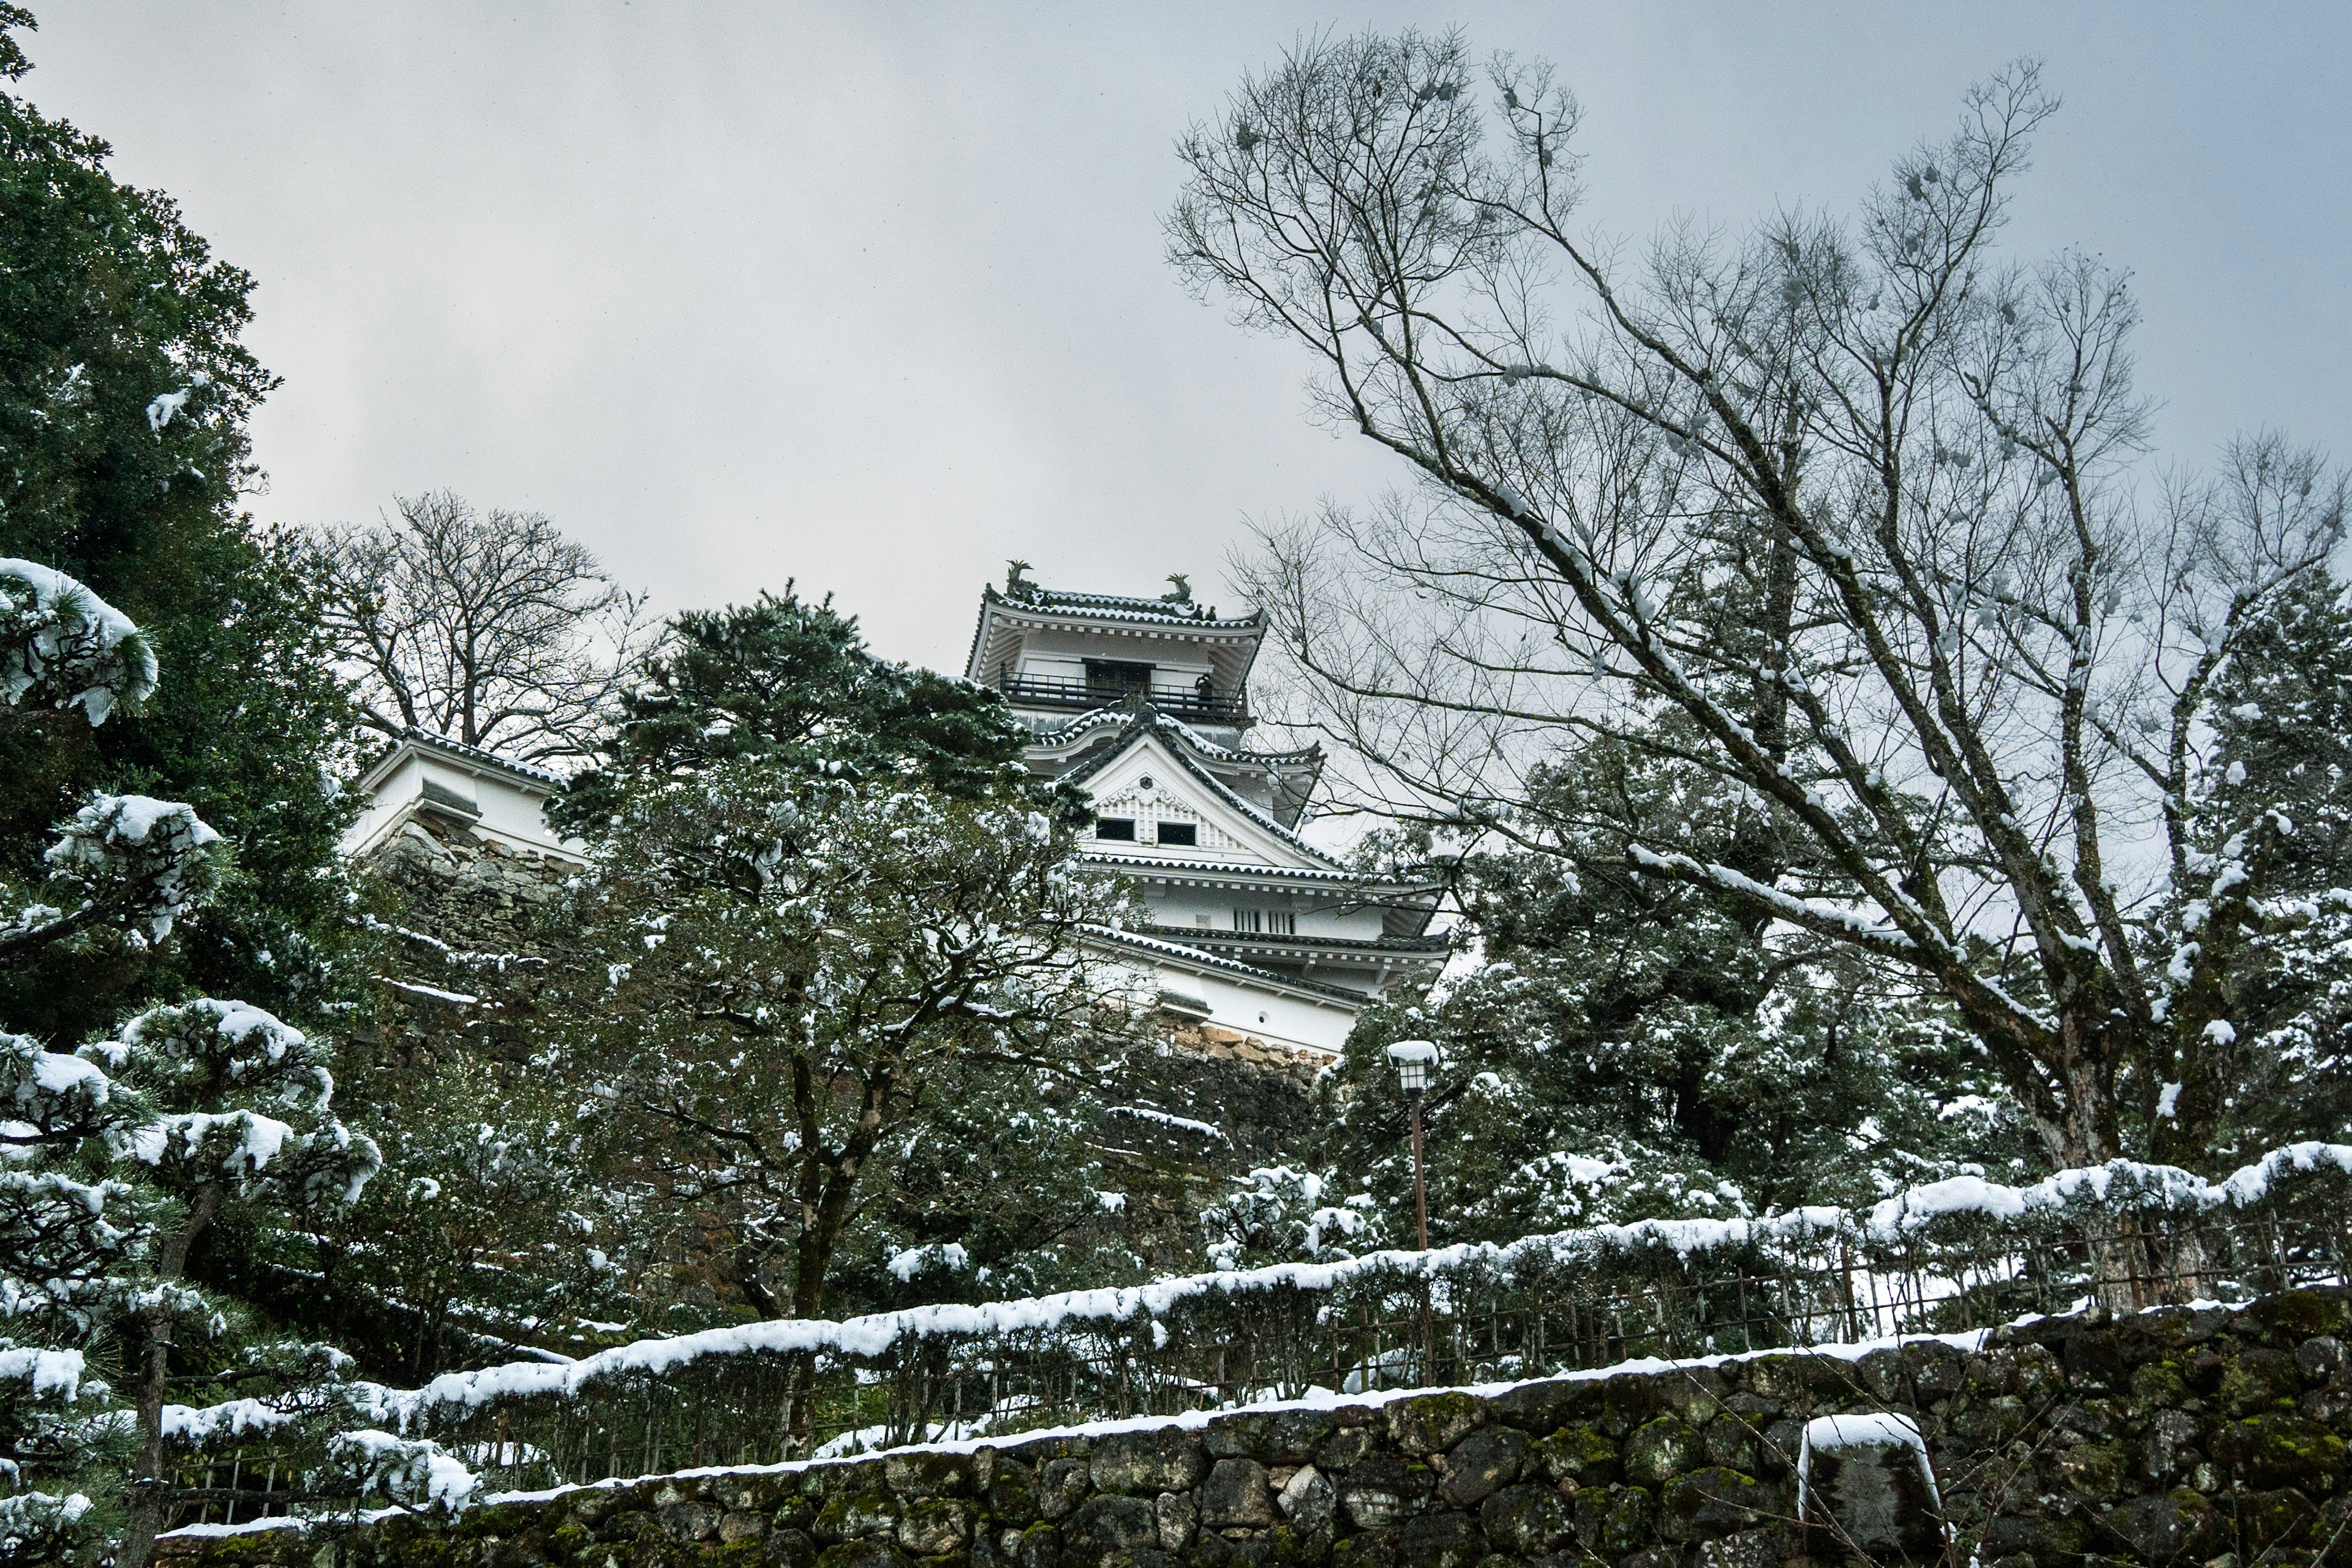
[1114, 715]
[1030, 595]
[1146, 723]
[489, 795]
[1420, 946]
[472, 758]
[1247, 870]
[1179, 953]
[1005, 617]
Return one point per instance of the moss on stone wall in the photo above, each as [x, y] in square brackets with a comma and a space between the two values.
[2188, 1436]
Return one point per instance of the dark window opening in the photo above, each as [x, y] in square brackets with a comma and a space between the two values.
[1115, 828]
[1179, 833]
[1114, 678]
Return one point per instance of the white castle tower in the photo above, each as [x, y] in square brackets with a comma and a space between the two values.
[1144, 704]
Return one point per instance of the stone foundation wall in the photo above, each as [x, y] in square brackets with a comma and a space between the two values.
[2207, 1436]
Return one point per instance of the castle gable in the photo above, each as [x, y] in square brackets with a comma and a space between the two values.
[1147, 786]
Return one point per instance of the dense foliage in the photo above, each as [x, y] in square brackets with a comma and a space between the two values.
[125, 392]
[791, 679]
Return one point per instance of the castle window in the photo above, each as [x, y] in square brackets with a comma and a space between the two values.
[1112, 680]
[1179, 833]
[1266, 922]
[1121, 828]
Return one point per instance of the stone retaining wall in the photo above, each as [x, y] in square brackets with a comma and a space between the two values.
[2209, 1437]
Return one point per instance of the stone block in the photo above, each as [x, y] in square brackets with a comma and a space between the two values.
[2166, 1526]
[2281, 1450]
[1012, 1493]
[1440, 1540]
[1060, 1484]
[863, 1554]
[1236, 1494]
[1481, 1464]
[689, 1520]
[929, 1474]
[2167, 1446]
[933, 1526]
[1271, 1437]
[1937, 1371]
[1176, 1516]
[1168, 1460]
[857, 1517]
[1614, 1520]
[1748, 1549]
[1727, 1441]
[1432, 1423]
[738, 1524]
[1580, 1455]
[1308, 1500]
[1715, 1502]
[1695, 1394]
[1660, 1450]
[1102, 1526]
[1539, 1407]
[1039, 1546]
[1344, 1448]
[2321, 1360]
[1877, 1496]
[1526, 1522]
[1384, 1489]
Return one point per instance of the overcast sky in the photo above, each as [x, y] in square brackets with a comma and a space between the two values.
[873, 296]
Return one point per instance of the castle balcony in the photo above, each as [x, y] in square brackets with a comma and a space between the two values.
[1189, 702]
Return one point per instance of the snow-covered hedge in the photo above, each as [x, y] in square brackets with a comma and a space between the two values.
[1957, 1254]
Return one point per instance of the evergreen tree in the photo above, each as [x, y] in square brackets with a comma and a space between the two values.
[1628, 1047]
[2283, 734]
[792, 987]
[124, 394]
[791, 679]
[2281, 750]
[119, 1156]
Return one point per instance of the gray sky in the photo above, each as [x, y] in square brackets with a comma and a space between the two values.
[873, 296]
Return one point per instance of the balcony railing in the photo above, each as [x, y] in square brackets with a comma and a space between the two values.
[1176, 701]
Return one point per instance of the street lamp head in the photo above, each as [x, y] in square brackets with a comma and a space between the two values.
[1413, 1060]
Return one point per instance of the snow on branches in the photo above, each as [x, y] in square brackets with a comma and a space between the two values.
[62, 647]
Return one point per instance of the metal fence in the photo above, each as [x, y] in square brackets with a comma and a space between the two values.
[1576, 1302]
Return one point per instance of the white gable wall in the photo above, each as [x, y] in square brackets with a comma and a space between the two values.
[512, 811]
[1225, 837]
[1175, 794]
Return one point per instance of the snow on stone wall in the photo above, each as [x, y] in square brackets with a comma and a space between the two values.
[2177, 1434]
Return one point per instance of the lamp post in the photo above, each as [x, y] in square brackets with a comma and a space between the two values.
[1413, 1060]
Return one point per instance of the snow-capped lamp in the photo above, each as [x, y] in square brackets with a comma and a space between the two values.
[1412, 1061]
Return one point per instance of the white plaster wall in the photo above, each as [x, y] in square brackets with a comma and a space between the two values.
[1291, 1020]
[510, 810]
[1181, 906]
[400, 787]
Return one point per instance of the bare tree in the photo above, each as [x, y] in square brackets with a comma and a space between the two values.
[1844, 514]
[496, 631]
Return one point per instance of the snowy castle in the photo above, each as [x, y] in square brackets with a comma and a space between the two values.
[1251, 934]
[1144, 704]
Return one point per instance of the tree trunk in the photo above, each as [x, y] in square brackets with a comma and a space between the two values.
[151, 1500]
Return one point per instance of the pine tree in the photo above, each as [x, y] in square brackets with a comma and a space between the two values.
[792, 986]
[124, 396]
[791, 679]
[121, 1154]
[2277, 1072]
[1627, 1047]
